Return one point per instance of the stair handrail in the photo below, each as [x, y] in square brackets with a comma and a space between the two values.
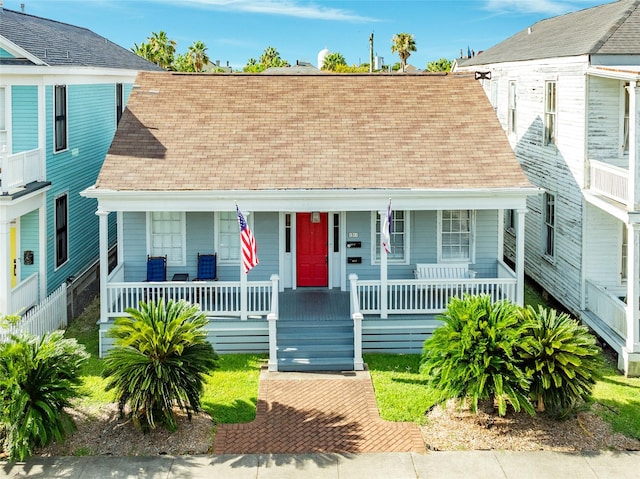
[356, 316]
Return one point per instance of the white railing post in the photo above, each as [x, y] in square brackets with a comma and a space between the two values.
[104, 262]
[633, 289]
[383, 270]
[272, 317]
[356, 315]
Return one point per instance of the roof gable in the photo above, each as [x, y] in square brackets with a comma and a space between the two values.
[184, 132]
[55, 43]
[612, 28]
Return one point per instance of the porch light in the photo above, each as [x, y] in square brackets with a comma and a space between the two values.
[315, 217]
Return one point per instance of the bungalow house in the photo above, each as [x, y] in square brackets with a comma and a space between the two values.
[313, 162]
[567, 93]
[62, 91]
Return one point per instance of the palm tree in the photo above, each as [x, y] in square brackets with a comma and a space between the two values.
[145, 51]
[163, 48]
[332, 60]
[403, 44]
[197, 53]
[271, 58]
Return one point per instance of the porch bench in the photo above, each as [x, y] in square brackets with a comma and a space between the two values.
[443, 271]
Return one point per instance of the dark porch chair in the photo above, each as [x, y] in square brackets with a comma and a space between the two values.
[207, 267]
[156, 268]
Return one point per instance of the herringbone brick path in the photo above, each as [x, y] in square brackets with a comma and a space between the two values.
[303, 413]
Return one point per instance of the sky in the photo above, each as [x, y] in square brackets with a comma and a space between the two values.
[236, 30]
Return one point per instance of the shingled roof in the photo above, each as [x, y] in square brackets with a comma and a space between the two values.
[609, 29]
[60, 44]
[185, 132]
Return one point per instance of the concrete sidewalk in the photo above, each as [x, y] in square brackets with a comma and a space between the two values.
[404, 465]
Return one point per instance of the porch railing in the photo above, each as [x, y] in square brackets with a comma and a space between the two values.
[216, 299]
[609, 180]
[417, 296]
[24, 295]
[19, 169]
[608, 307]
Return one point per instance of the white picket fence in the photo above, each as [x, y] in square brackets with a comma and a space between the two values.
[49, 315]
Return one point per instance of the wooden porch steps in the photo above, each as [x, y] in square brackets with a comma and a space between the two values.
[315, 345]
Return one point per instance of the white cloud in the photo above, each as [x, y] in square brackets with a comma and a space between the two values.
[289, 8]
[546, 7]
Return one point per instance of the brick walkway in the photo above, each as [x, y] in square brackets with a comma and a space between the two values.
[321, 413]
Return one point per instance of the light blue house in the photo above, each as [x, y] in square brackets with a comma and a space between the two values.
[62, 91]
[312, 161]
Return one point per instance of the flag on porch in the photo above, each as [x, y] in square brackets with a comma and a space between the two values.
[387, 228]
[248, 247]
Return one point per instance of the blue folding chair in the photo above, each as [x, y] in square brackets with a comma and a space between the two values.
[207, 267]
[156, 268]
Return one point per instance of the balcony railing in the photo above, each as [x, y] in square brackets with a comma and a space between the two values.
[24, 295]
[19, 169]
[609, 180]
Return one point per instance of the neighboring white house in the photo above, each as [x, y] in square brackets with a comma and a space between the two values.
[314, 169]
[567, 93]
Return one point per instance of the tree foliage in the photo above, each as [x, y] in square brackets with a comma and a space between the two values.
[160, 358]
[197, 54]
[403, 44]
[442, 65]
[38, 379]
[333, 60]
[270, 58]
[161, 50]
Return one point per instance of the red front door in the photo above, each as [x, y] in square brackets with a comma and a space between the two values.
[312, 250]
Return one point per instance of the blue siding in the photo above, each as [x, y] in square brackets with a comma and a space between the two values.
[135, 245]
[265, 230]
[486, 243]
[24, 124]
[5, 54]
[91, 125]
[29, 241]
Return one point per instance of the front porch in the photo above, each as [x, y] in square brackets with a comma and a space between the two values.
[309, 328]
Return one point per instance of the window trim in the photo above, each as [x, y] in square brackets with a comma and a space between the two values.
[625, 119]
[183, 238]
[472, 238]
[549, 227]
[119, 102]
[56, 229]
[624, 245]
[376, 240]
[64, 119]
[550, 135]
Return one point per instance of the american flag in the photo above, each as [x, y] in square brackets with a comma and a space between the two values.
[387, 228]
[247, 244]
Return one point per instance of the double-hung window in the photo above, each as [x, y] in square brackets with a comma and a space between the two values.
[623, 255]
[60, 117]
[625, 121]
[399, 237]
[512, 110]
[549, 225]
[550, 110]
[228, 246]
[62, 229]
[455, 235]
[167, 236]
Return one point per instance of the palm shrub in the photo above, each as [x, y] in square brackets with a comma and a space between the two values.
[562, 358]
[160, 358]
[38, 379]
[472, 356]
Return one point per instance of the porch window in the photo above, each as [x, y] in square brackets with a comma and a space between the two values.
[167, 236]
[625, 121]
[512, 112]
[550, 105]
[623, 256]
[510, 221]
[228, 237]
[399, 235]
[119, 102]
[62, 231]
[60, 120]
[455, 235]
[549, 225]
[287, 233]
[336, 233]
[494, 94]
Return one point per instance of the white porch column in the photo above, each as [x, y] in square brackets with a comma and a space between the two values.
[272, 318]
[6, 307]
[520, 256]
[632, 344]
[633, 203]
[42, 253]
[104, 262]
[383, 270]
